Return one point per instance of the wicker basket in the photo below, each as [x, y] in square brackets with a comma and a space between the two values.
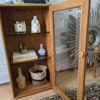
[38, 74]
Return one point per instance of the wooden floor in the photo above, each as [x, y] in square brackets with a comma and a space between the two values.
[69, 81]
[6, 94]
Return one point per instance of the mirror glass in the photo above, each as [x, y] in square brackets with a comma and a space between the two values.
[92, 77]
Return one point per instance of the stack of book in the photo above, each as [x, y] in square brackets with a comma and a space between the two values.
[29, 56]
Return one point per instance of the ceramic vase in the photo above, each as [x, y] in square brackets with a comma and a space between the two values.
[21, 81]
[47, 1]
[8, 1]
[41, 51]
[35, 25]
[17, 1]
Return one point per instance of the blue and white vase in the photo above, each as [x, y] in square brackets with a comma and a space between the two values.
[8, 1]
[41, 51]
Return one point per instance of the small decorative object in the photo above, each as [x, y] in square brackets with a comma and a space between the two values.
[34, 1]
[17, 1]
[8, 1]
[47, 1]
[21, 81]
[41, 51]
[38, 74]
[20, 27]
[29, 56]
[94, 36]
[35, 25]
[23, 48]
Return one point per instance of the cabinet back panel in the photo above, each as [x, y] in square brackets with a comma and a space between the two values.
[32, 42]
[12, 15]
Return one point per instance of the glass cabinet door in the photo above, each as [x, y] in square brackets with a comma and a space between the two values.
[69, 33]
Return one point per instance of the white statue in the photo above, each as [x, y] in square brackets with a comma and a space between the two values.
[35, 25]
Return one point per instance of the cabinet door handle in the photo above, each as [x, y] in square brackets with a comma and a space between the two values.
[81, 54]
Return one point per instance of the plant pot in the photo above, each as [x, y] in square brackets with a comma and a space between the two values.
[38, 74]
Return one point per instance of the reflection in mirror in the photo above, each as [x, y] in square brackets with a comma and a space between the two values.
[67, 33]
[92, 78]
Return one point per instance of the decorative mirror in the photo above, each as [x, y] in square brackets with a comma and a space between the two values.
[71, 37]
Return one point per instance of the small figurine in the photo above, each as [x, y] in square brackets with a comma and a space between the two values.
[23, 48]
[35, 25]
[21, 80]
[41, 51]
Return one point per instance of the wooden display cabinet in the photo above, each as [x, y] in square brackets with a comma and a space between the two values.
[45, 13]
[11, 13]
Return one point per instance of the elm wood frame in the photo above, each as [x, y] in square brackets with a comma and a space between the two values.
[85, 6]
[7, 12]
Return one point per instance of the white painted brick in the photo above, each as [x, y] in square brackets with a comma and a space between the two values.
[4, 78]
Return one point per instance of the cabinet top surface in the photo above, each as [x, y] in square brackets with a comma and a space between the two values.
[24, 5]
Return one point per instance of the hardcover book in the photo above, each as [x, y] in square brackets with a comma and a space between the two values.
[29, 56]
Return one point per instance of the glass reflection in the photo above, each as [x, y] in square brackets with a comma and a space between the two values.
[67, 29]
[92, 81]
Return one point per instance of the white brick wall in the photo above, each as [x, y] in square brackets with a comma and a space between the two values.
[3, 66]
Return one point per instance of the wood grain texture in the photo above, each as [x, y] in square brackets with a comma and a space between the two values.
[84, 4]
[10, 14]
[29, 90]
[24, 5]
[6, 55]
[67, 5]
[83, 48]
